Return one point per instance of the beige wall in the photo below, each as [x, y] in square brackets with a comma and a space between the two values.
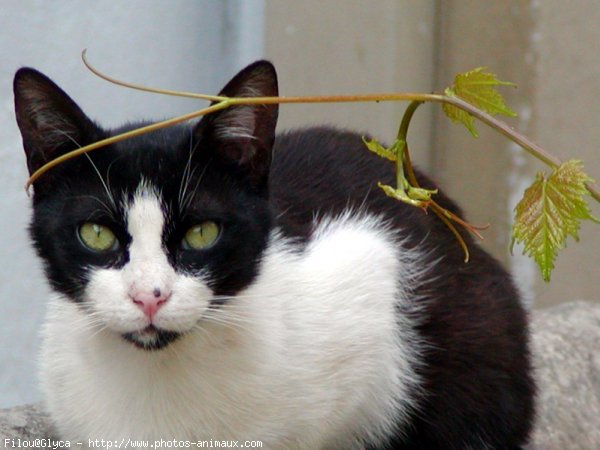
[350, 46]
[327, 47]
[567, 112]
[488, 174]
[547, 48]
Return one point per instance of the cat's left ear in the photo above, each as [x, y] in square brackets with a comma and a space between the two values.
[242, 136]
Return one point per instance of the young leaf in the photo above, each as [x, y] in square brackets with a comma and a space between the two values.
[479, 89]
[399, 194]
[551, 210]
[419, 197]
[412, 195]
[387, 153]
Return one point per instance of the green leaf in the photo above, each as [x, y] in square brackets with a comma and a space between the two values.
[459, 116]
[419, 197]
[388, 153]
[551, 210]
[479, 89]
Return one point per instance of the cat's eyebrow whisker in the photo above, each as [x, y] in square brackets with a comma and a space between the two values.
[62, 132]
[185, 178]
[108, 177]
[184, 195]
[190, 196]
[108, 192]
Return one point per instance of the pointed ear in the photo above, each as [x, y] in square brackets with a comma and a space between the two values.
[51, 123]
[242, 136]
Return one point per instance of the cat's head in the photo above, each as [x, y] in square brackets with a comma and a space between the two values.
[149, 234]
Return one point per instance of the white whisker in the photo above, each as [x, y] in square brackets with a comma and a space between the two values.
[185, 178]
[230, 322]
[104, 185]
[190, 196]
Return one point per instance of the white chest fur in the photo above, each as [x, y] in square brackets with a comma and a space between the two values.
[312, 355]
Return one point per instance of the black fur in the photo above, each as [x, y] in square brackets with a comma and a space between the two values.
[478, 389]
[478, 385]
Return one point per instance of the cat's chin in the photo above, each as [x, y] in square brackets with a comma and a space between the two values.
[151, 338]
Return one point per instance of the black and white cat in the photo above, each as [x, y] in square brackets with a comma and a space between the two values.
[214, 281]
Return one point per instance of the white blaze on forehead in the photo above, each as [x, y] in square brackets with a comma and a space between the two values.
[145, 220]
[148, 266]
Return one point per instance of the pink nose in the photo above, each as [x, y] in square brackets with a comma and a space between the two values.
[150, 301]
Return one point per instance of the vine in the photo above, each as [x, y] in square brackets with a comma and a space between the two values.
[550, 210]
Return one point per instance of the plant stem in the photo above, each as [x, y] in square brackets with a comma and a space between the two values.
[120, 137]
[212, 98]
[226, 102]
[223, 103]
[403, 162]
[403, 135]
[406, 118]
[400, 178]
[416, 100]
[521, 140]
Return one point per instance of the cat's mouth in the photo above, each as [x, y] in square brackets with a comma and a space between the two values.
[151, 338]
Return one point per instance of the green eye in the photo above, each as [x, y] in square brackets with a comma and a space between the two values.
[201, 236]
[97, 237]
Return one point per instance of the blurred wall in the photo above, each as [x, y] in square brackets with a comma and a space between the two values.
[349, 47]
[178, 44]
[547, 48]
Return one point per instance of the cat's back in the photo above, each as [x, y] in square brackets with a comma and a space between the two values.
[468, 316]
[324, 167]
[325, 172]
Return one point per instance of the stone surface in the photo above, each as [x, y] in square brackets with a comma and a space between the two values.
[28, 423]
[566, 348]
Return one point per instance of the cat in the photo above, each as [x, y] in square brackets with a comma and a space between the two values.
[216, 281]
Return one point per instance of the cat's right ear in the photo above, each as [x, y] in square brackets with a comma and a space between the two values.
[51, 123]
[242, 136]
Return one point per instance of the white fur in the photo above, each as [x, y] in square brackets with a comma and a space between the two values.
[239, 123]
[312, 355]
